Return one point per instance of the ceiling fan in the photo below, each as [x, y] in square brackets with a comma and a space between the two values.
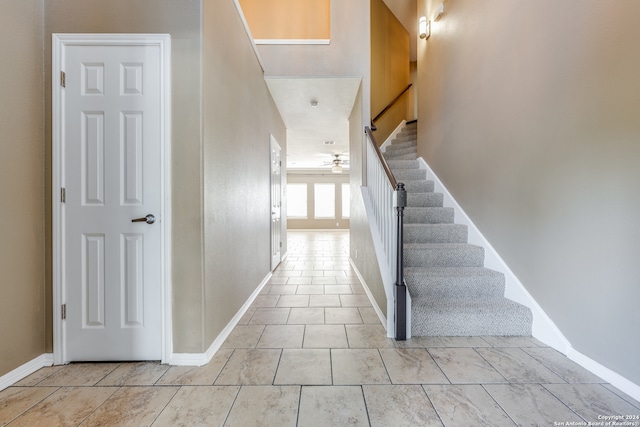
[337, 164]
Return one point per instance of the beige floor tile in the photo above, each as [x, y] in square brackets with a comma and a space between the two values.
[347, 280]
[286, 273]
[250, 367]
[324, 406]
[399, 406]
[334, 273]
[419, 342]
[38, 376]
[513, 341]
[265, 300]
[355, 301]
[310, 290]
[198, 406]
[325, 336]
[270, 316]
[412, 366]
[133, 406]
[359, 366]
[591, 401]
[323, 281]
[283, 290]
[357, 289]
[299, 280]
[66, 407]
[567, 369]
[304, 367]
[342, 315]
[244, 336]
[197, 375]
[466, 405]
[306, 316]
[278, 280]
[80, 374]
[312, 273]
[368, 336]
[16, 400]
[265, 406]
[623, 395]
[530, 404]
[139, 373]
[337, 289]
[516, 366]
[324, 301]
[244, 320]
[465, 366]
[293, 301]
[282, 336]
[464, 342]
[369, 315]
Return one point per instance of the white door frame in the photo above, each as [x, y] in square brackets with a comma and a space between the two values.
[59, 43]
[273, 144]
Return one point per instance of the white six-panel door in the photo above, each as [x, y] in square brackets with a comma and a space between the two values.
[276, 202]
[111, 174]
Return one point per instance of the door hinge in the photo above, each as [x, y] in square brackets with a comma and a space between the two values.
[63, 195]
[63, 79]
[63, 311]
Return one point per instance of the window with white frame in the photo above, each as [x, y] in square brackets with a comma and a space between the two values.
[325, 200]
[296, 200]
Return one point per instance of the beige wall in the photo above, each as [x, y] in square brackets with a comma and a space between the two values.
[239, 115]
[311, 223]
[181, 19]
[288, 19]
[529, 114]
[389, 69]
[22, 177]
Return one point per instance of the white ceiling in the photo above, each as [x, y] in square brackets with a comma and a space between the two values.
[308, 127]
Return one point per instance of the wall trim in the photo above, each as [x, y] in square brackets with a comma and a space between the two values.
[374, 303]
[605, 373]
[25, 370]
[199, 359]
[543, 327]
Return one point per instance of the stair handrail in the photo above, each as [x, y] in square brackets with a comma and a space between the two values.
[399, 202]
[389, 105]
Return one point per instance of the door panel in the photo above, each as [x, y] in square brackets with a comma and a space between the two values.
[276, 202]
[112, 174]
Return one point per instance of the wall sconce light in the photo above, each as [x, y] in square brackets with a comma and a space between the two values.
[438, 12]
[424, 28]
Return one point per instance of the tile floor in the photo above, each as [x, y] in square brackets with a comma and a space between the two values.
[311, 351]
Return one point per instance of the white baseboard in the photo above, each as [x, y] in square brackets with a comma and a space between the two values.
[199, 359]
[606, 374]
[25, 370]
[374, 303]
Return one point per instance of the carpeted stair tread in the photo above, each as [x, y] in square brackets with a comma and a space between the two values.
[435, 233]
[401, 151]
[418, 186]
[470, 317]
[403, 164]
[409, 174]
[447, 282]
[428, 199]
[410, 156]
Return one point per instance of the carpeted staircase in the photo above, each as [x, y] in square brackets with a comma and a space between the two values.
[452, 293]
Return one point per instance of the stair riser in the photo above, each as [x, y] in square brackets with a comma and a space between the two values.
[471, 256]
[418, 186]
[440, 233]
[410, 174]
[434, 288]
[403, 165]
[414, 215]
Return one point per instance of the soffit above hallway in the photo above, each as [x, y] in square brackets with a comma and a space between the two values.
[308, 126]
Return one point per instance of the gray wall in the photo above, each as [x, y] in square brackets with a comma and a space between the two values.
[239, 115]
[22, 189]
[529, 113]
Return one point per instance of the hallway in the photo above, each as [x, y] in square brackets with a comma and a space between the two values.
[311, 351]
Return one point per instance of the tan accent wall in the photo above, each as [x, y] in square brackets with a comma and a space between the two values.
[529, 113]
[22, 185]
[311, 223]
[288, 19]
[239, 115]
[390, 74]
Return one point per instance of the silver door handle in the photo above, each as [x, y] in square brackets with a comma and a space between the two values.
[149, 219]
